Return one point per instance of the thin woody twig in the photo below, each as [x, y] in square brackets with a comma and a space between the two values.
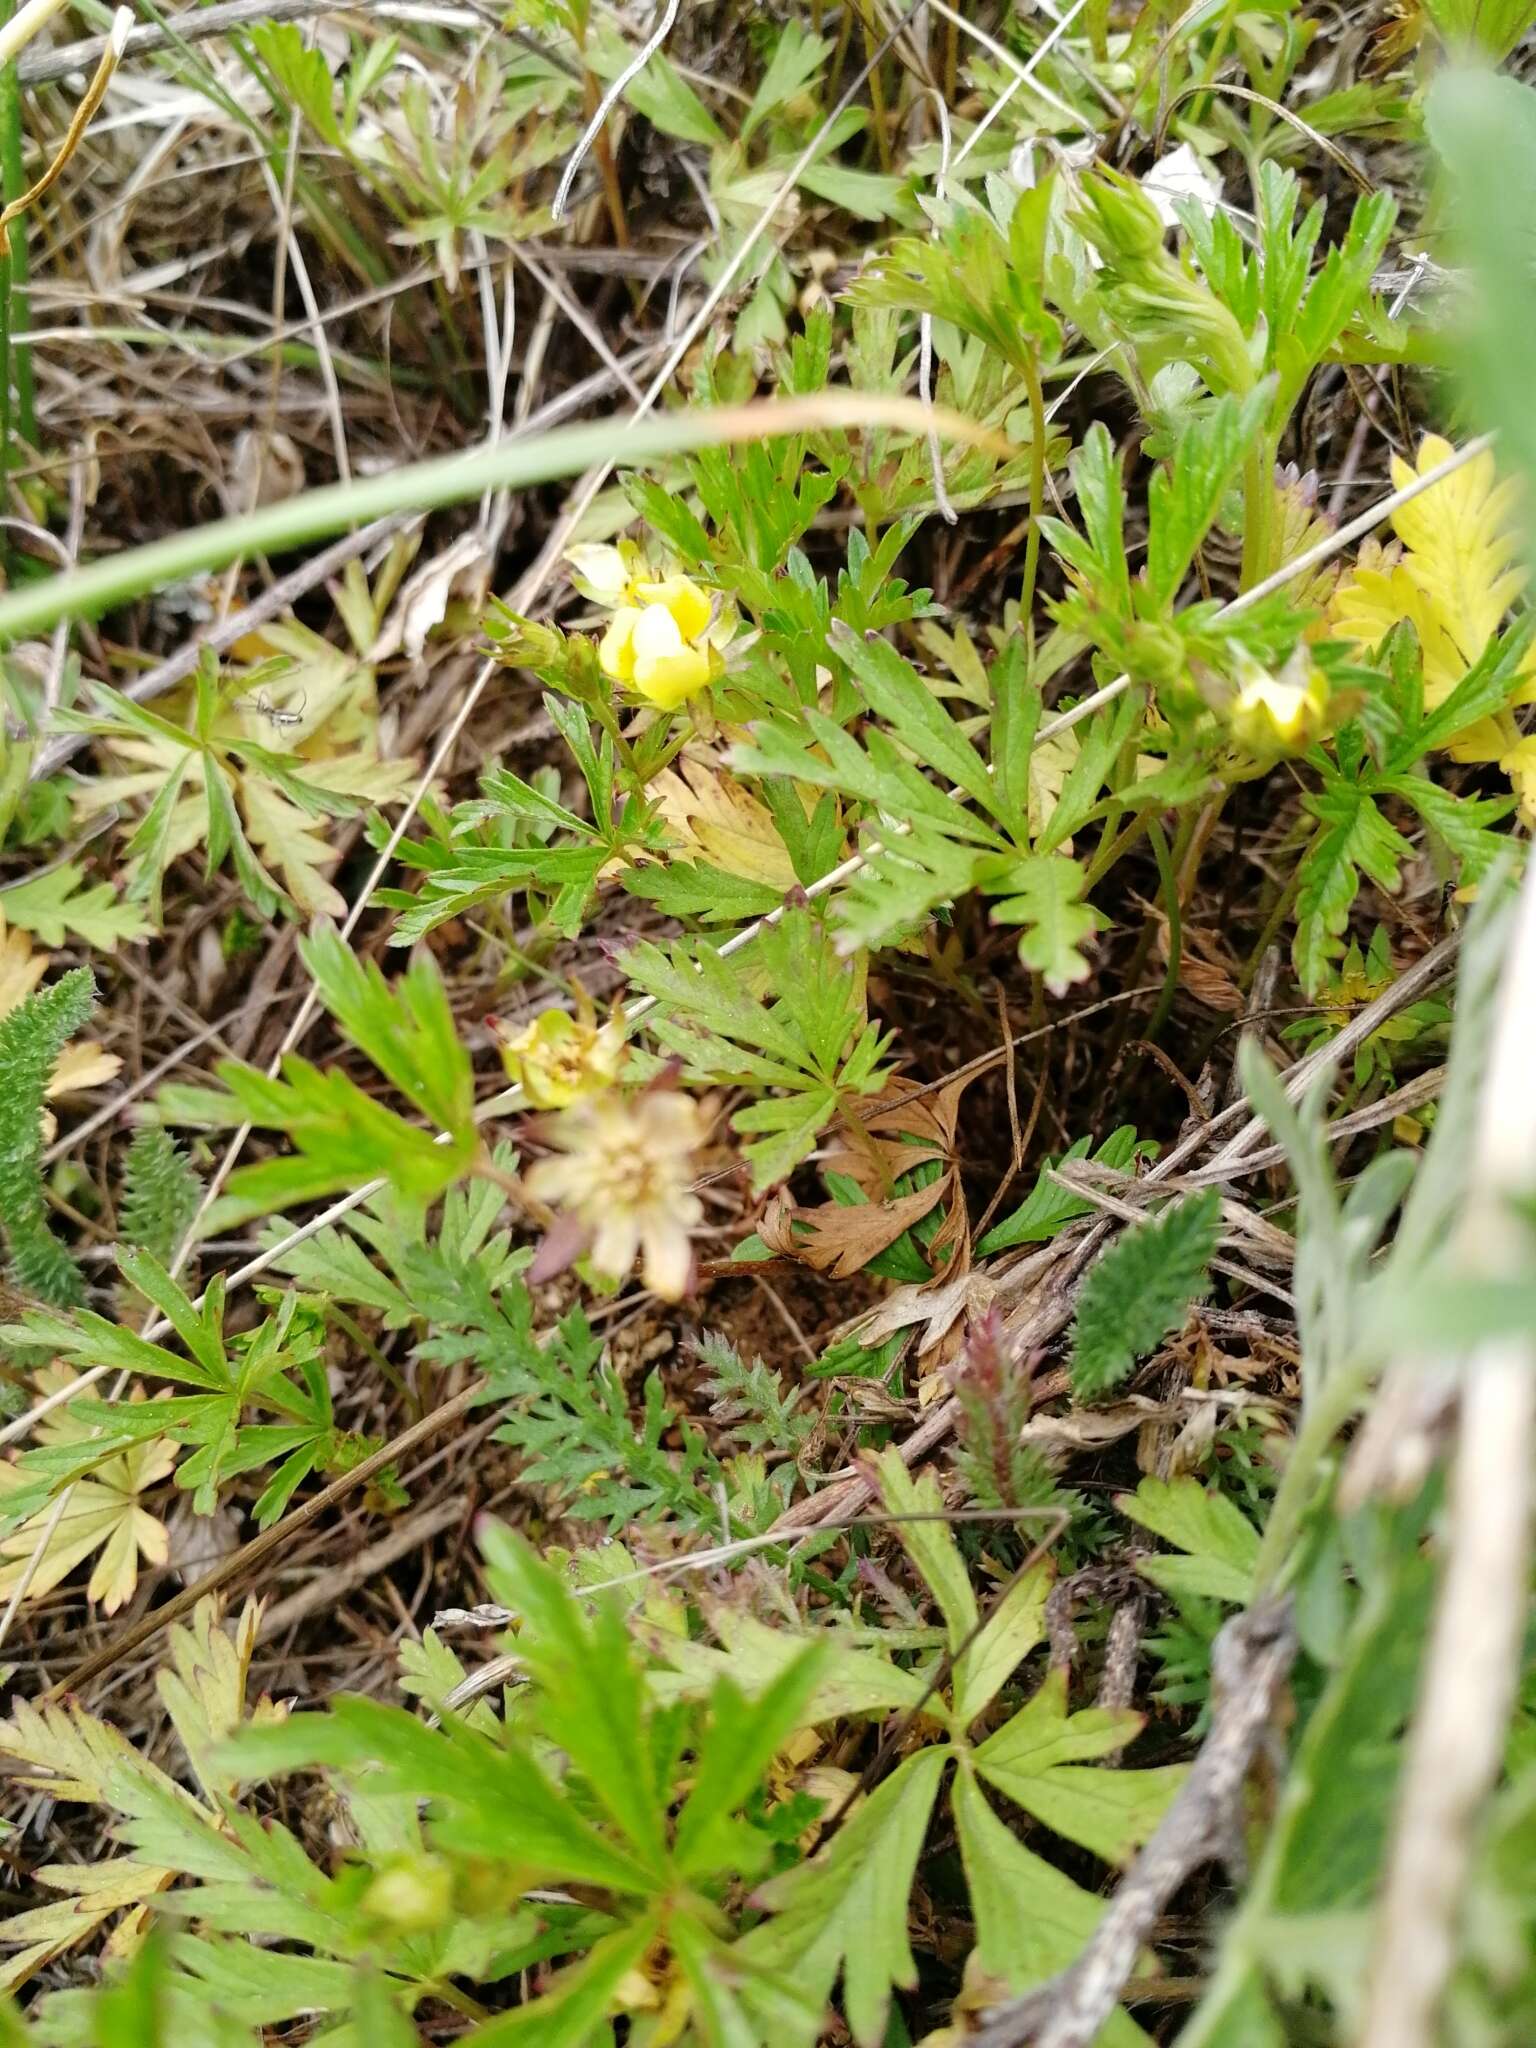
[261, 1547]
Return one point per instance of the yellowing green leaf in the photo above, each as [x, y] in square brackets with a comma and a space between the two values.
[1454, 583]
[81, 1760]
[105, 1514]
[712, 818]
[203, 1688]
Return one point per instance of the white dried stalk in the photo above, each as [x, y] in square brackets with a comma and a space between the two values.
[1472, 1667]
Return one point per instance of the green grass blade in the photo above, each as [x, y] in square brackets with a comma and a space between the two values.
[451, 480]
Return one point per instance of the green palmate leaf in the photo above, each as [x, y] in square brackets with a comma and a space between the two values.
[846, 1910]
[1353, 838]
[343, 1139]
[810, 1034]
[1222, 1544]
[904, 879]
[1039, 1760]
[406, 1028]
[1488, 28]
[931, 1546]
[1031, 1921]
[1462, 823]
[300, 77]
[907, 704]
[582, 1657]
[985, 281]
[1185, 497]
[491, 1795]
[1495, 680]
[572, 2012]
[1140, 1291]
[1049, 1207]
[60, 904]
[692, 889]
[741, 1741]
[32, 1036]
[659, 92]
[1044, 894]
[798, 58]
[376, 2018]
[1098, 554]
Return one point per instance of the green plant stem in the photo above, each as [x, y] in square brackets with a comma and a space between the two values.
[15, 358]
[1037, 434]
[877, 106]
[1281, 909]
[1107, 856]
[1172, 906]
[1258, 503]
[450, 480]
[392, 1373]
[1322, 1419]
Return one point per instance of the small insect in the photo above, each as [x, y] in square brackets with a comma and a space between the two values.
[275, 714]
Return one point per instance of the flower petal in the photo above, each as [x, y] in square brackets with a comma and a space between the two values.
[666, 680]
[616, 650]
[681, 597]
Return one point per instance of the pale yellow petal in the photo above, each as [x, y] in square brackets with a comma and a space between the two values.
[668, 680]
[681, 597]
[616, 649]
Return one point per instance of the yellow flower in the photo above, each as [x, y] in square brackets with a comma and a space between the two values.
[1276, 713]
[559, 1058]
[624, 1178]
[656, 645]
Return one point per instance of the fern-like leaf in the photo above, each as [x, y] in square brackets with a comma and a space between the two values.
[750, 1400]
[1141, 1289]
[161, 1193]
[31, 1038]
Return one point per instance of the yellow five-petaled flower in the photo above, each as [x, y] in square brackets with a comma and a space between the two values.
[656, 645]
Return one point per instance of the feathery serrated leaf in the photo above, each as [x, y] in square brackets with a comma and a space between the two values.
[1140, 1291]
[32, 1036]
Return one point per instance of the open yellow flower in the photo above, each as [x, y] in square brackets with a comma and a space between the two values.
[559, 1058]
[656, 645]
[623, 1181]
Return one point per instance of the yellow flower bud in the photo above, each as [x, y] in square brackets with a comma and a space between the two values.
[1281, 713]
[558, 1058]
[413, 1895]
